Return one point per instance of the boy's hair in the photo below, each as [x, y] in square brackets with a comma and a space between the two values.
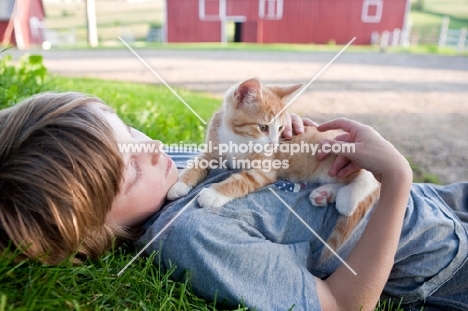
[60, 169]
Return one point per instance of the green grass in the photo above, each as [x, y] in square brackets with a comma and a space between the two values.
[420, 176]
[251, 47]
[94, 286]
[432, 13]
[427, 17]
[114, 18]
[264, 48]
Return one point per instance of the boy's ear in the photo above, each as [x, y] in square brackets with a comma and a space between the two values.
[248, 92]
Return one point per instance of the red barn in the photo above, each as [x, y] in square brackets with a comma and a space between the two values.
[22, 22]
[281, 21]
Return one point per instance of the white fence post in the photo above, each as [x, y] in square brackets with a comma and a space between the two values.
[406, 33]
[396, 37]
[443, 31]
[461, 40]
[384, 38]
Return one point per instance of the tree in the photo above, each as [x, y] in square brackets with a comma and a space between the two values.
[418, 5]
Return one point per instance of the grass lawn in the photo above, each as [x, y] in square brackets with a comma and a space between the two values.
[433, 11]
[114, 17]
[94, 286]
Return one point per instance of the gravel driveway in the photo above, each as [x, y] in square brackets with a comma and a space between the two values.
[419, 102]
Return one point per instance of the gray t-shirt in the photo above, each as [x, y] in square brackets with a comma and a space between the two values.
[254, 251]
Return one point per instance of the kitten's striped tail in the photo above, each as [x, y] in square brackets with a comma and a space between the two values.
[346, 224]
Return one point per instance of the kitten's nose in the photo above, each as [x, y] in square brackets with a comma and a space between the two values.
[273, 141]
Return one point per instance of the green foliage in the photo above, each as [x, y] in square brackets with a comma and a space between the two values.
[417, 5]
[430, 13]
[22, 79]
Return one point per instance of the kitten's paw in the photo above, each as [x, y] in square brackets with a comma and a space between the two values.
[212, 198]
[178, 190]
[323, 195]
[346, 204]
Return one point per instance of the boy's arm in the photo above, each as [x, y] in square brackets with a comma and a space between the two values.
[372, 257]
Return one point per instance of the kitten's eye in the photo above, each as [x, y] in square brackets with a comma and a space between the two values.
[281, 128]
[263, 127]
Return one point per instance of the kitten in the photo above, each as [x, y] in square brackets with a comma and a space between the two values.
[245, 118]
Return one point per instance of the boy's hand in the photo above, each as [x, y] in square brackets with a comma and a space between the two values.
[295, 125]
[372, 152]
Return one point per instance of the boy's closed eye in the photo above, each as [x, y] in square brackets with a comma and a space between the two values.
[138, 172]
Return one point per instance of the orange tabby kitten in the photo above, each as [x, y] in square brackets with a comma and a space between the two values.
[245, 118]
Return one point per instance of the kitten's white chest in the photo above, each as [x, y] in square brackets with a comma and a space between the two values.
[236, 146]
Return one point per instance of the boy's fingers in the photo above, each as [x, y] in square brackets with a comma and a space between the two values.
[345, 137]
[321, 154]
[340, 163]
[347, 170]
[297, 124]
[328, 147]
[334, 147]
[287, 133]
[309, 122]
[341, 123]
[294, 125]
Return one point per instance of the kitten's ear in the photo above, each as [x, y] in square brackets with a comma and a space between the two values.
[286, 90]
[248, 91]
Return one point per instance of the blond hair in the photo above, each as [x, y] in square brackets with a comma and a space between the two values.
[60, 170]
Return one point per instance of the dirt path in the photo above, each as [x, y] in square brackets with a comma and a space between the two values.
[420, 103]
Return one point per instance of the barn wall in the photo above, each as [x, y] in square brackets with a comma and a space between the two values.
[184, 25]
[303, 21]
[297, 25]
[247, 8]
[324, 21]
[341, 23]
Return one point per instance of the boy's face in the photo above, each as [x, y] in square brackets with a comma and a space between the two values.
[148, 175]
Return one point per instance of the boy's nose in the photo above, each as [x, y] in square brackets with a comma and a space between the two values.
[157, 152]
